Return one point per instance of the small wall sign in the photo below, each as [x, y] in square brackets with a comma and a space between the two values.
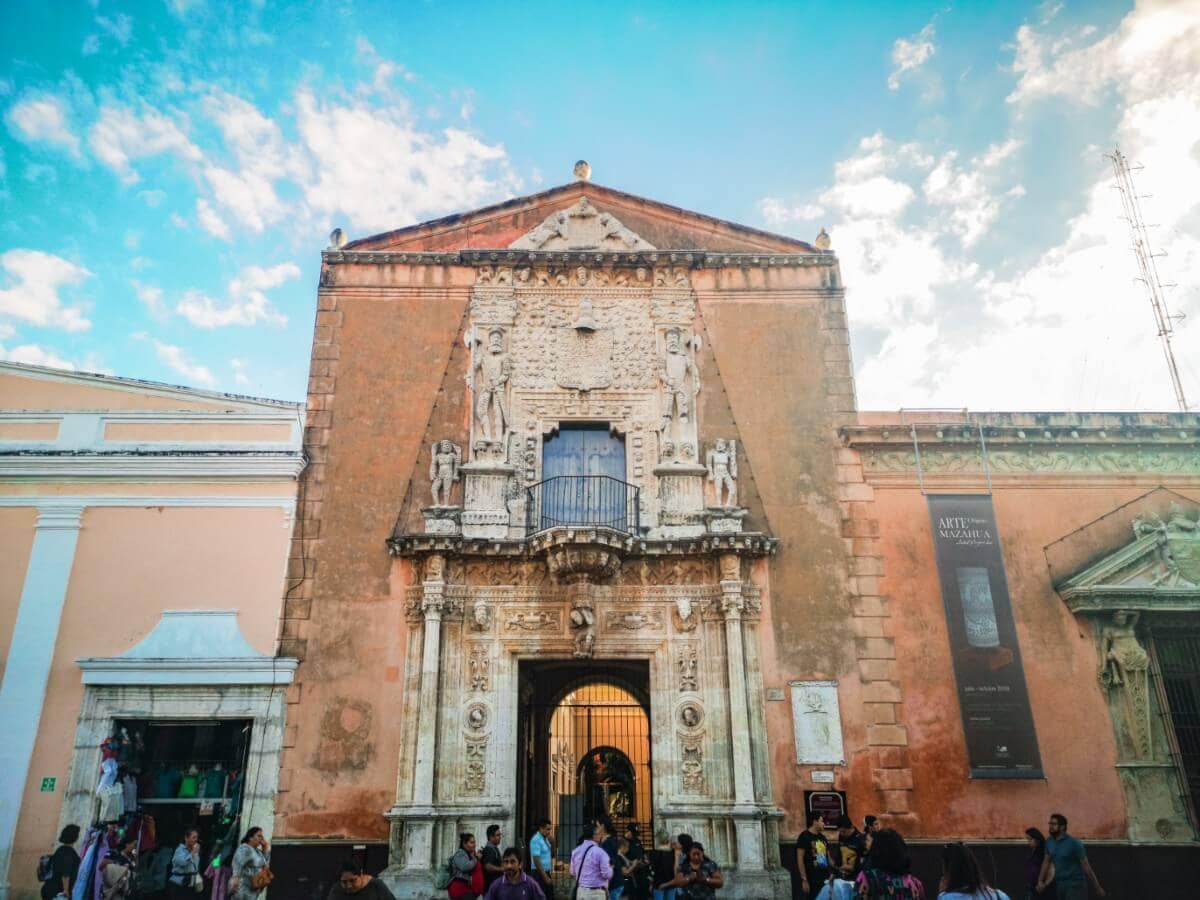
[775, 693]
[48, 784]
[820, 776]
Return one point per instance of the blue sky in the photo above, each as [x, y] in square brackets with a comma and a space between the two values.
[171, 170]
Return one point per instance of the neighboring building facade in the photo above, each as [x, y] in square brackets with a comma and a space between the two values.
[144, 530]
[591, 525]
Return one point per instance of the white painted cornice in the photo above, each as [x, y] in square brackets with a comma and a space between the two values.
[65, 503]
[152, 466]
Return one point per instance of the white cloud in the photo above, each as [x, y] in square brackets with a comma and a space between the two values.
[909, 54]
[210, 221]
[153, 198]
[378, 168]
[239, 372]
[247, 302]
[121, 135]
[44, 118]
[120, 27]
[91, 45]
[777, 213]
[178, 360]
[152, 298]
[966, 194]
[35, 355]
[33, 295]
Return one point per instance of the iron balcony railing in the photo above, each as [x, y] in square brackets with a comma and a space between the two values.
[596, 500]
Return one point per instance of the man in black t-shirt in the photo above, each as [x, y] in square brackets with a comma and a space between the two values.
[812, 856]
[493, 861]
[850, 850]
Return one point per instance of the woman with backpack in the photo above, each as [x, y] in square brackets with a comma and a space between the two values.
[251, 873]
[466, 870]
[57, 871]
[885, 874]
[961, 877]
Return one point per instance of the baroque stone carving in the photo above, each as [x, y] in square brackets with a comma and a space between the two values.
[688, 680]
[481, 616]
[1178, 546]
[475, 771]
[721, 463]
[691, 714]
[530, 621]
[685, 615]
[491, 372]
[476, 717]
[580, 227]
[817, 722]
[633, 621]
[937, 461]
[444, 461]
[479, 663]
[691, 764]
[583, 625]
[1124, 667]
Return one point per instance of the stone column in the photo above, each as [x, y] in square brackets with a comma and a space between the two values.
[418, 843]
[30, 655]
[739, 717]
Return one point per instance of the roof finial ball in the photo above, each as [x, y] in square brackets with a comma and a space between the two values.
[583, 170]
[822, 241]
[337, 239]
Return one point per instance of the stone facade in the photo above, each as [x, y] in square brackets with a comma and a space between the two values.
[769, 543]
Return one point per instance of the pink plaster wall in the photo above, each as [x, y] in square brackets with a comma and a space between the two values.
[130, 566]
[1070, 713]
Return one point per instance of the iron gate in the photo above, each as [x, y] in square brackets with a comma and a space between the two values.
[1179, 662]
[585, 733]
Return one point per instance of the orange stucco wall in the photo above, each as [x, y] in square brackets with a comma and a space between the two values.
[130, 565]
[1070, 713]
[28, 431]
[16, 541]
[198, 431]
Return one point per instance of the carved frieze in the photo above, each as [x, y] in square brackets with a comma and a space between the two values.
[534, 620]
[475, 770]
[479, 664]
[634, 620]
[1036, 460]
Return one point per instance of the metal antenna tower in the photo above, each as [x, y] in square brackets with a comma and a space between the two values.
[1146, 266]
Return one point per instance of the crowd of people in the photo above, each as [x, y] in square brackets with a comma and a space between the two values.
[871, 864]
[874, 864]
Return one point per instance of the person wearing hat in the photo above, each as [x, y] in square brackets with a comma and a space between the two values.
[851, 848]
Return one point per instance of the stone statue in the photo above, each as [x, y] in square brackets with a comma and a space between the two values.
[583, 622]
[721, 463]
[685, 614]
[680, 381]
[1124, 667]
[1121, 653]
[444, 462]
[491, 375]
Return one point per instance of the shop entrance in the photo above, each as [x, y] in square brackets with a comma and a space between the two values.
[585, 733]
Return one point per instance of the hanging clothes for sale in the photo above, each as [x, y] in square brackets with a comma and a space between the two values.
[189, 785]
[212, 782]
[108, 774]
[129, 792]
[220, 881]
[112, 803]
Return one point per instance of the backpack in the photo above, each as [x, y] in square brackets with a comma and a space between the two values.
[45, 870]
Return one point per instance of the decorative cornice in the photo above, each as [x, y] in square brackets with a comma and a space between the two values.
[269, 670]
[751, 544]
[1046, 459]
[52, 502]
[151, 466]
[696, 259]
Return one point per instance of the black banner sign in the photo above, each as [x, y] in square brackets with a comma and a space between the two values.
[1001, 742]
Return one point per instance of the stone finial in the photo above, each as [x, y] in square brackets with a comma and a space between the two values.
[337, 239]
[583, 170]
[822, 241]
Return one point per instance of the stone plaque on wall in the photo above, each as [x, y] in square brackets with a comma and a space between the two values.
[817, 722]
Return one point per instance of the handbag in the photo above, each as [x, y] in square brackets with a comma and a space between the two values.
[477, 880]
[262, 878]
[198, 883]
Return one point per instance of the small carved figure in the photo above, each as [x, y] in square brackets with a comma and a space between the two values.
[444, 461]
[721, 463]
[685, 614]
[476, 718]
[584, 643]
[689, 715]
[581, 275]
[1121, 653]
[481, 616]
[611, 228]
[492, 372]
[687, 670]
[680, 381]
[1178, 520]
[554, 226]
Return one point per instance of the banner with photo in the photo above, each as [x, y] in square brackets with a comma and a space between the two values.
[997, 721]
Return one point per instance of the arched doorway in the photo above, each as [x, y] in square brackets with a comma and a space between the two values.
[586, 729]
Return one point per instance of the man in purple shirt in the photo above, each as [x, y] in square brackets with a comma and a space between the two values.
[591, 866]
[514, 884]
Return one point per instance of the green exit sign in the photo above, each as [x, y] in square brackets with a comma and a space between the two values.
[48, 785]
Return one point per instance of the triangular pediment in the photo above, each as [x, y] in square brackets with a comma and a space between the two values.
[622, 223]
[581, 227]
[1158, 569]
